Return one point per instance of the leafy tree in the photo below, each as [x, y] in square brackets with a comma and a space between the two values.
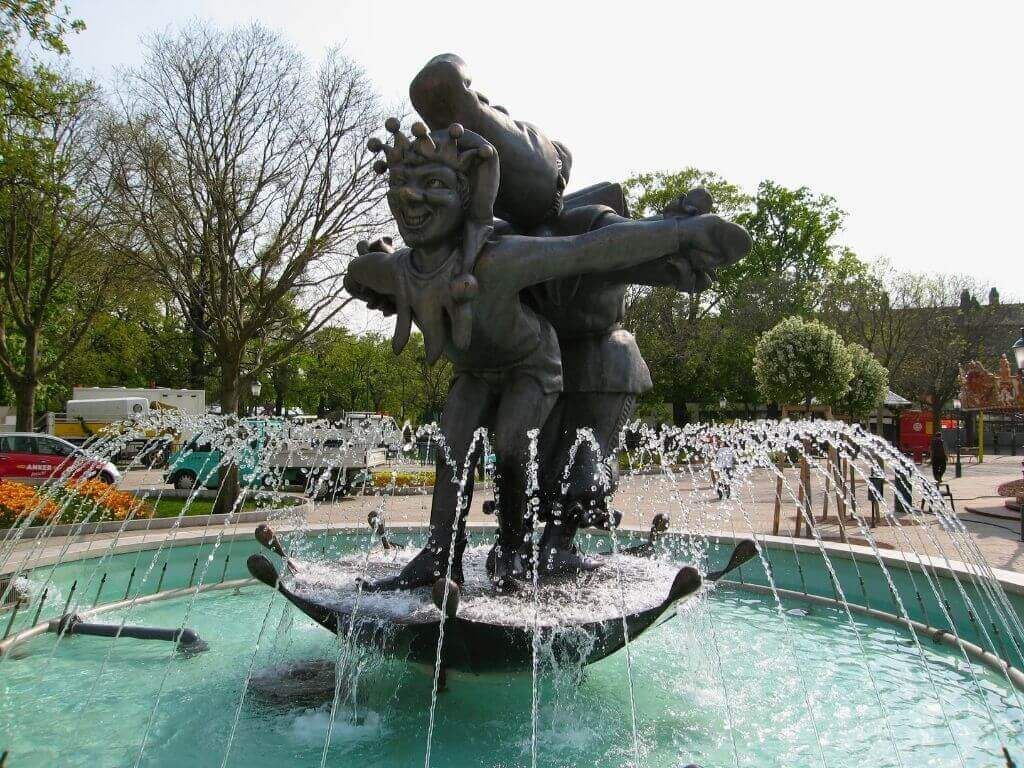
[867, 388]
[244, 181]
[26, 90]
[136, 342]
[799, 361]
[55, 276]
[701, 347]
[648, 194]
[793, 257]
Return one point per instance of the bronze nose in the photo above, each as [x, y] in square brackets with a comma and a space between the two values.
[411, 195]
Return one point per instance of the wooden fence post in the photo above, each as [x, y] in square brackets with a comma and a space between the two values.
[777, 518]
[805, 488]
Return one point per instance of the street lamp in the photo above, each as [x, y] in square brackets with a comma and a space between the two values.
[957, 405]
[1018, 352]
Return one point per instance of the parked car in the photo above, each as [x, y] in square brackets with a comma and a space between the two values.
[26, 457]
[198, 462]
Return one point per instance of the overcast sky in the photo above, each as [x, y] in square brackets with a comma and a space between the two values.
[908, 113]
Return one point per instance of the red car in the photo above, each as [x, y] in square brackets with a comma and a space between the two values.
[26, 457]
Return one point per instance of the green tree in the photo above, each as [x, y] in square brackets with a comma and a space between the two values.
[136, 342]
[868, 386]
[701, 347]
[55, 275]
[793, 257]
[244, 180]
[799, 361]
[23, 88]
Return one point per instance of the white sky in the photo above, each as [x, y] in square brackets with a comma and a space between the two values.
[908, 113]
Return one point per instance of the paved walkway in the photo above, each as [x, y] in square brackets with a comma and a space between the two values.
[691, 504]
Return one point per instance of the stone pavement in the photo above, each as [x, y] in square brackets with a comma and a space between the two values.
[692, 504]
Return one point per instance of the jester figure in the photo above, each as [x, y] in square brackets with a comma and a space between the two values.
[603, 372]
[465, 285]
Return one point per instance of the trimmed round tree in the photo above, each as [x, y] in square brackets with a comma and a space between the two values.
[868, 386]
[799, 361]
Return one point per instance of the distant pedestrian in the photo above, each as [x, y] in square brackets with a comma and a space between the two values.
[725, 464]
[940, 459]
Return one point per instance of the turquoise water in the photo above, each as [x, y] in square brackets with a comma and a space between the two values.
[212, 562]
[727, 684]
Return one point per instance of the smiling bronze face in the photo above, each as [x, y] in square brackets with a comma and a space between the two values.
[426, 203]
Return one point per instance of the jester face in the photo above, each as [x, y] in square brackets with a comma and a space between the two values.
[426, 203]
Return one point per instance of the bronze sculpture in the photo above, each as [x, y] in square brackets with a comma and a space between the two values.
[520, 306]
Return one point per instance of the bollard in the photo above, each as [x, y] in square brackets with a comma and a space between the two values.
[876, 491]
[777, 514]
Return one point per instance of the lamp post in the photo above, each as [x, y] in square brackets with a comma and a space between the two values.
[957, 405]
[1018, 353]
[255, 388]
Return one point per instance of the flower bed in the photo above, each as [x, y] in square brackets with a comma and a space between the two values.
[77, 500]
[423, 479]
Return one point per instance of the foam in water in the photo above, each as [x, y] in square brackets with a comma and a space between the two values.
[593, 597]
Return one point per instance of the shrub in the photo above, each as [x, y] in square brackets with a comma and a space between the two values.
[799, 360]
[868, 386]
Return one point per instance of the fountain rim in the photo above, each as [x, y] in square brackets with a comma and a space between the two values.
[183, 537]
[989, 659]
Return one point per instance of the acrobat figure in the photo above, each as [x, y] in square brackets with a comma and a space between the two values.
[602, 368]
[462, 284]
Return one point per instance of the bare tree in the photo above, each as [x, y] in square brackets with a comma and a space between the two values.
[245, 181]
[55, 276]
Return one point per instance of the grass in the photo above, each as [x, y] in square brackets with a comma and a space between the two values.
[172, 507]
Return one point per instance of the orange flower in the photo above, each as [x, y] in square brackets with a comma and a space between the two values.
[110, 503]
[18, 501]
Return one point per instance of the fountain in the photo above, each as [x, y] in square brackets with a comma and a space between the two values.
[829, 610]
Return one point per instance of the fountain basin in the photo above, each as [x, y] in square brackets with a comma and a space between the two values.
[787, 686]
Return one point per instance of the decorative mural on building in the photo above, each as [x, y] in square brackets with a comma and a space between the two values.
[984, 391]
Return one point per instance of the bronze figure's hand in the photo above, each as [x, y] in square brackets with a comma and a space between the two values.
[711, 242]
[374, 300]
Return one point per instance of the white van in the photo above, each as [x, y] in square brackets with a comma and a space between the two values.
[108, 409]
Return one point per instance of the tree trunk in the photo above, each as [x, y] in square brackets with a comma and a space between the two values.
[680, 416]
[229, 484]
[197, 350]
[25, 400]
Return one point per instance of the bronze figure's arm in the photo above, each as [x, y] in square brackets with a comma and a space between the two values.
[707, 240]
